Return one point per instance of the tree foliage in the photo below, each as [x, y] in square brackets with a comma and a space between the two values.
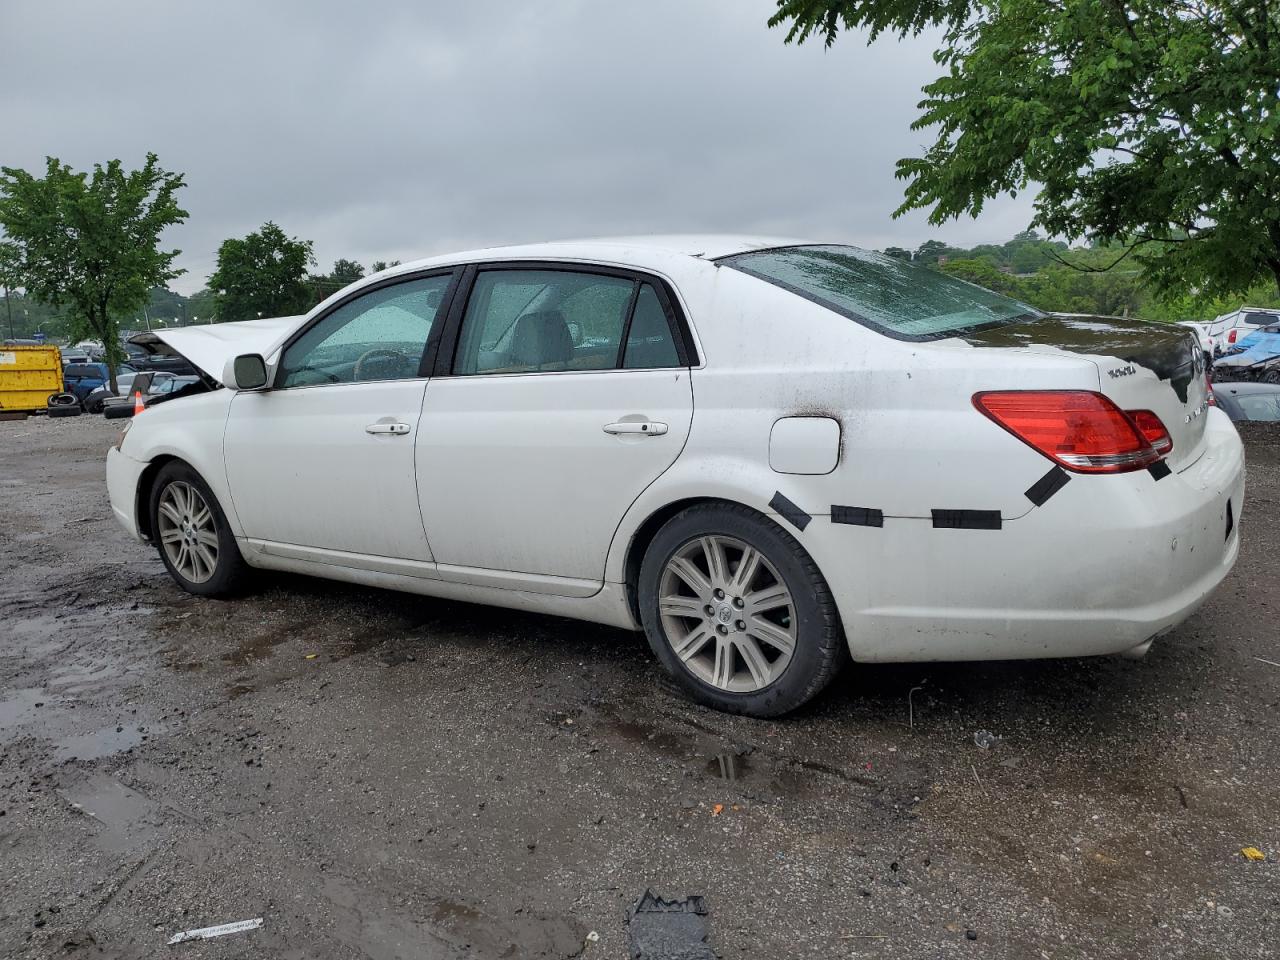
[90, 242]
[1154, 124]
[262, 275]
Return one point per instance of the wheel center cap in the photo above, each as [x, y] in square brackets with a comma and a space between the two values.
[724, 612]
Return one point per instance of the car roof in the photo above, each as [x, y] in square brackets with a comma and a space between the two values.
[1246, 388]
[637, 250]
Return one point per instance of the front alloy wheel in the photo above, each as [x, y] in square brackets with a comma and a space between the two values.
[187, 533]
[195, 541]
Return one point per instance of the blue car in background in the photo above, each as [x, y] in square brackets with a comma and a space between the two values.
[1256, 356]
[82, 379]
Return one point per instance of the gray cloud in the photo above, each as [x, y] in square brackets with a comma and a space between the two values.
[403, 130]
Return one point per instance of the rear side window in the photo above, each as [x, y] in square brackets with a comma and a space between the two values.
[555, 321]
[649, 342]
[902, 300]
[1259, 318]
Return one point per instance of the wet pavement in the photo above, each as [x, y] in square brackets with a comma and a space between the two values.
[383, 776]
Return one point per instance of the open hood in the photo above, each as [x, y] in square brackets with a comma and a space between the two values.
[208, 347]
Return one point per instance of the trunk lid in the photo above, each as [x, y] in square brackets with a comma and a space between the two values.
[208, 347]
[1141, 366]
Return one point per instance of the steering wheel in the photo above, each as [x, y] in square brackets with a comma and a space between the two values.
[376, 354]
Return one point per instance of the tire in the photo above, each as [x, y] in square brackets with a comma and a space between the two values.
[117, 411]
[757, 677]
[93, 406]
[63, 400]
[195, 570]
[65, 410]
[1271, 376]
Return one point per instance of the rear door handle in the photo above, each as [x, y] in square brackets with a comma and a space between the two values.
[651, 428]
[395, 429]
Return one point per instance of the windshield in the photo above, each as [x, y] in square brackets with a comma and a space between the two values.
[902, 300]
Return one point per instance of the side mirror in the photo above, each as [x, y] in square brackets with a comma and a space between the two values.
[245, 372]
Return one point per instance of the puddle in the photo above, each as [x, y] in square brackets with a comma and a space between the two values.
[21, 707]
[729, 766]
[252, 649]
[669, 743]
[102, 743]
[126, 815]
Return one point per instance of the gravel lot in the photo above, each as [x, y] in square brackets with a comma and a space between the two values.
[383, 776]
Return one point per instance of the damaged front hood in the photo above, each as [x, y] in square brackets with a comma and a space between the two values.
[208, 347]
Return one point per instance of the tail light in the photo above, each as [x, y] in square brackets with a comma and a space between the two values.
[1231, 337]
[1154, 430]
[1078, 429]
[1208, 386]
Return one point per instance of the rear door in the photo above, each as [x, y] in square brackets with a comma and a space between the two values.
[568, 394]
[321, 466]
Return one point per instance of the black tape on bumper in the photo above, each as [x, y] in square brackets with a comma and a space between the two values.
[789, 511]
[857, 516]
[967, 519]
[1159, 470]
[1047, 486]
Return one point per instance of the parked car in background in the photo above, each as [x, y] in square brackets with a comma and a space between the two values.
[769, 455]
[150, 386]
[1255, 356]
[145, 380]
[1224, 332]
[1249, 401]
[83, 379]
[141, 360]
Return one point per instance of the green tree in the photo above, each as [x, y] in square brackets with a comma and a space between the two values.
[261, 275]
[931, 250]
[346, 271]
[90, 243]
[898, 253]
[380, 265]
[1149, 123]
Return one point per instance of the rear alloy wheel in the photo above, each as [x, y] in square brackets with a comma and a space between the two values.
[191, 531]
[737, 612]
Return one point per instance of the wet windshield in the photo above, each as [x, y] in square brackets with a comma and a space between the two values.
[903, 300]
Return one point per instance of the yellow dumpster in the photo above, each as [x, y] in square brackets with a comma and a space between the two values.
[28, 375]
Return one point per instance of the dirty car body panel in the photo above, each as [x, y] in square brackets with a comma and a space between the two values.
[450, 465]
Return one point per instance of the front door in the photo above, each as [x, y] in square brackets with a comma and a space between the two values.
[569, 394]
[325, 459]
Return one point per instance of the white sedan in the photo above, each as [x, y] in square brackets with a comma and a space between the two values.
[771, 456]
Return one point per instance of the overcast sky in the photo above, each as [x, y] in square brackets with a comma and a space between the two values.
[399, 130]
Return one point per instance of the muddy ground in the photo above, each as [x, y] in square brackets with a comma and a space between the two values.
[383, 776]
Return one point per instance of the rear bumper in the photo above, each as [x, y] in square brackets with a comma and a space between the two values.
[1103, 566]
[123, 474]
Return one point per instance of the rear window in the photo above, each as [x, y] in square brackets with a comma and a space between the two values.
[1258, 317]
[902, 300]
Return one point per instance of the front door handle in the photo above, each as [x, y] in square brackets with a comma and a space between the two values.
[395, 429]
[650, 428]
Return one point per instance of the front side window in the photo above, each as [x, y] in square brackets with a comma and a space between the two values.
[380, 335]
[902, 300]
[532, 321]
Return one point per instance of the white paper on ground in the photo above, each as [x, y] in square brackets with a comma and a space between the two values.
[205, 933]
